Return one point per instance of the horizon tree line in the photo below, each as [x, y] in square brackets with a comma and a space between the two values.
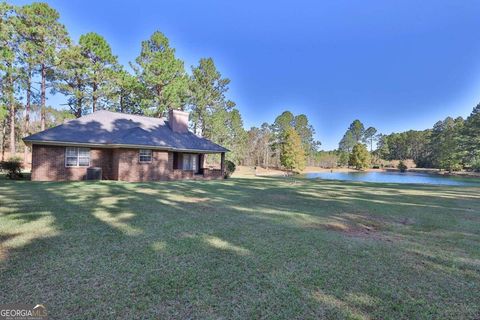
[451, 144]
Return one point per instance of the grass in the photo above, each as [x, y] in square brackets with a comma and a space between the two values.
[242, 248]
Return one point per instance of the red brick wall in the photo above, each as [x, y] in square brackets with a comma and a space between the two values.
[178, 174]
[212, 174]
[127, 167]
[48, 164]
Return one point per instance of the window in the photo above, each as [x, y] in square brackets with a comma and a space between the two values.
[190, 162]
[77, 157]
[145, 155]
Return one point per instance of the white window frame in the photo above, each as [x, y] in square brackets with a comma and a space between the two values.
[76, 151]
[149, 154]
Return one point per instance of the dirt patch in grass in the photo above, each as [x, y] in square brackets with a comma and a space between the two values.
[3, 254]
[355, 225]
[406, 221]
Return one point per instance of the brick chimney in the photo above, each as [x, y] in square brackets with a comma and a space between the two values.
[178, 120]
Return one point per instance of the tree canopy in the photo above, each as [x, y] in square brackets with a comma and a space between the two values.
[162, 74]
[292, 154]
[360, 157]
[100, 65]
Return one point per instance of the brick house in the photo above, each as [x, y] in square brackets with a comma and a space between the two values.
[126, 147]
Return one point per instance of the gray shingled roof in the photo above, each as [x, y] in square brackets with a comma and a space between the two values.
[113, 128]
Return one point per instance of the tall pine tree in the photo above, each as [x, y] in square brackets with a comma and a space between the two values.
[162, 74]
[100, 67]
[292, 155]
[49, 38]
[471, 138]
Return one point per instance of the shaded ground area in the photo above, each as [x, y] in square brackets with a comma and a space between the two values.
[242, 248]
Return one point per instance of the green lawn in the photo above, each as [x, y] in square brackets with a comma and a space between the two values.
[245, 248]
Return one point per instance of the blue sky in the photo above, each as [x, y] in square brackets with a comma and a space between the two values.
[395, 65]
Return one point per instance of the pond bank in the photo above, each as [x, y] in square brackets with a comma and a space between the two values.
[260, 171]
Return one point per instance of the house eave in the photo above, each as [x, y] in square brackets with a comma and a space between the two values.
[114, 145]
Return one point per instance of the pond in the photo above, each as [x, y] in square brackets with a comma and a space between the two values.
[395, 177]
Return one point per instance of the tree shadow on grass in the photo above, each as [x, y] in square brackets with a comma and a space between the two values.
[236, 249]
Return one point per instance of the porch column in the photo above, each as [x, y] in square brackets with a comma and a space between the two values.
[222, 163]
[202, 161]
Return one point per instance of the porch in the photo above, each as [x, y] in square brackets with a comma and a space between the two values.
[193, 166]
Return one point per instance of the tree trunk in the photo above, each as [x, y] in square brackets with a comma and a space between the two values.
[78, 112]
[4, 135]
[121, 102]
[26, 130]
[267, 159]
[42, 98]
[11, 101]
[94, 97]
[202, 125]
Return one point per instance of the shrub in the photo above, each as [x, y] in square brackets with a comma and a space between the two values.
[476, 166]
[13, 168]
[402, 166]
[360, 157]
[229, 168]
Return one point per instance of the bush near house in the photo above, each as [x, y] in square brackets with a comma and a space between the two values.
[13, 168]
[229, 168]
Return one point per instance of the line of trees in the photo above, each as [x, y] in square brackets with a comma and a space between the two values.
[452, 144]
[288, 142]
[38, 57]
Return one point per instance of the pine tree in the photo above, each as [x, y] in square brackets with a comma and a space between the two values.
[279, 127]
[162, 74]
[445, 143]
[306, 132]
[207, 88]
[357, 129]
[9, 69]
[347, 143]
[360, 157]
[471, 137]
[72, 79]
[126, 94]
[292, 155]
[49, 37]
[369, 136]
[30, 60]
[100, 67]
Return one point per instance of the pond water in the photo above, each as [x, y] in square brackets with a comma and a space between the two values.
[395, 177]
